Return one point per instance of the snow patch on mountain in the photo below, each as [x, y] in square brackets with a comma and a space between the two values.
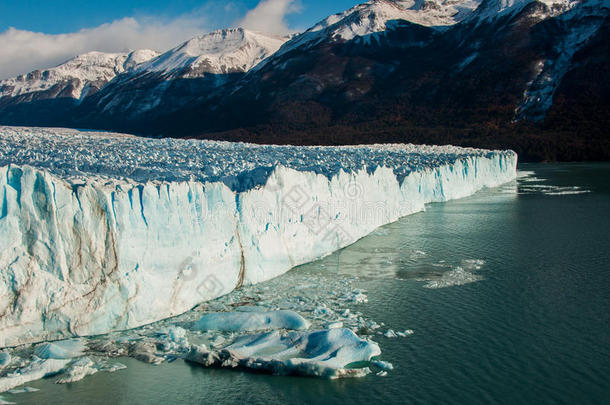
[491, 9]
[538, 96]
[76, 75]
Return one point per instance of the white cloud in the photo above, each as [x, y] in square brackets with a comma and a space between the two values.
[24, 51]
[270, 16]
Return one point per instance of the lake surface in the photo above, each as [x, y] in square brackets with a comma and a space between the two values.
[507, 292]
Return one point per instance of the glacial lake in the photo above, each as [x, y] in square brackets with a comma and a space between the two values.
[507, 293]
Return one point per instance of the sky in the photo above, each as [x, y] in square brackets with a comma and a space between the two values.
[37, 34]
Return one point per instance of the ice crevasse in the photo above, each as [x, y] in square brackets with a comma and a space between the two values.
[85, 251]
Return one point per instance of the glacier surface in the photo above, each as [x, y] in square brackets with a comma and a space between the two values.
[104, 232]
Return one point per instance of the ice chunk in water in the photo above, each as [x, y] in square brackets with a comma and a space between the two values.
[455, 277]
[78, 370]
[65, 349]
[5, 359]
[23, 390]
[383, 365]
[176, 334]
[252, 321]
[331, 353]
[37, 369]
[390, 334]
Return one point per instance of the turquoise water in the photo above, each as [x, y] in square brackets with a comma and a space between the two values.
[529, 322]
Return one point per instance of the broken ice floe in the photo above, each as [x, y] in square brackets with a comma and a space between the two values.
[459, 275]
[5, 359]
[35, 370]
[383, 365]
[329, 353]
[65, 349]
[23, 390]
[528, 183]
[62, 358]
[391, 334]
[223, 338]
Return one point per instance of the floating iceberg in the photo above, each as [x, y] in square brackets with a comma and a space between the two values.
[65, 349]
[78, 370]
[383, 365]
[460, 275]
[5, 359]
[23, 390]
[252, 321]
[37, 369]
[103, 232]
[86, 366]
[331, 353]
[47, 359]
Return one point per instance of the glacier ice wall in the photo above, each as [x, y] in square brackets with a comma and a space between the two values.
[88, 254]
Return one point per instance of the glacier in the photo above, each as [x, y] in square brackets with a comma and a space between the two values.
[103, 232]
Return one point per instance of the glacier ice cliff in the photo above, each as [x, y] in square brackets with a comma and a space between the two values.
[103, 232]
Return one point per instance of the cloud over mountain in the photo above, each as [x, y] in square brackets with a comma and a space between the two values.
[269, 16]
[23, 51]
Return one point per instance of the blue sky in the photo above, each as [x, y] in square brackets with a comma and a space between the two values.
[65, 16]
[36, 34]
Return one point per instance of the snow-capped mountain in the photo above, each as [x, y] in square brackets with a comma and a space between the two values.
[491, 9]
[378, 16]
[185, 73]
[76, 78]
[374, 16]
[141, 81]
[219, 52]
[475, 81]
[432, 71]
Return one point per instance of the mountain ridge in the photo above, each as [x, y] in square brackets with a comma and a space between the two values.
[372, 74]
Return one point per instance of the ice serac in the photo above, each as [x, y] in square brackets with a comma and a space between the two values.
[111, 232]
